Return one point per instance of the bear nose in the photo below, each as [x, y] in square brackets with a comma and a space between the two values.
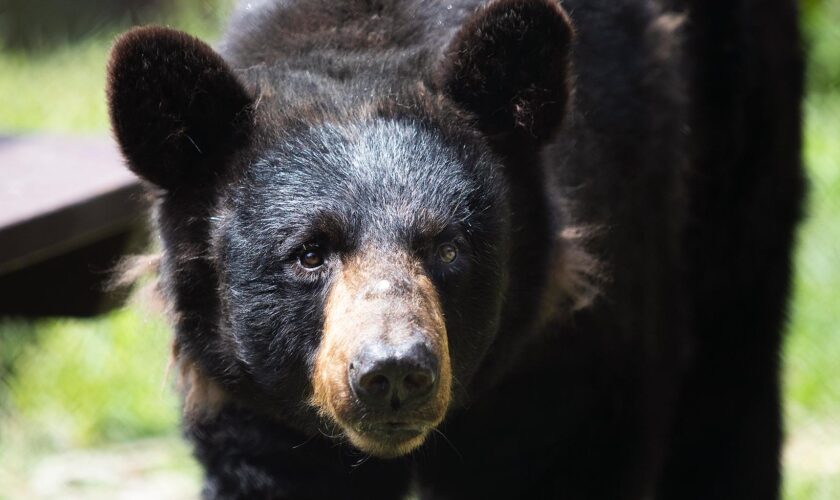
[394, 378]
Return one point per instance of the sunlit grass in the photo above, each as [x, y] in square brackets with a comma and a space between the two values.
[59, 92]
[105, 379]
[812, 353]
[83, 383]
[62, 90]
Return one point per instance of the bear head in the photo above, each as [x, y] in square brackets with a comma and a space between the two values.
[339, 265]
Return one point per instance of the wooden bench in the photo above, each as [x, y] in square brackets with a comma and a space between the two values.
[68, 210]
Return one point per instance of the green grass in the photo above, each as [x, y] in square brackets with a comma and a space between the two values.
[62, 90]
[76, 384]
[105, 378]
[83, 383]
[812, 353]
[813, 350]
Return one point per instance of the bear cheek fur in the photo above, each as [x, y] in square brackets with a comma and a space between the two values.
[357, 314]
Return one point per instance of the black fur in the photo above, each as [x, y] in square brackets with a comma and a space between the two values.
[560, 158]
[176, 108]
[746, 192]
[509, 65]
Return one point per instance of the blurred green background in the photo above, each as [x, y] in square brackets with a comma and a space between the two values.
[86, 407]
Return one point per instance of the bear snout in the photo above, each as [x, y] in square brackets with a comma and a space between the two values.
[382, 371]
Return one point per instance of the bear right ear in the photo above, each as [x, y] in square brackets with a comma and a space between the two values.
[177, 109]
[509, 65]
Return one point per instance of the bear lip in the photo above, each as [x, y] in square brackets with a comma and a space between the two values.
[398, 431]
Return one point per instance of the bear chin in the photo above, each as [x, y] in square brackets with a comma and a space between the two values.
[387, 441]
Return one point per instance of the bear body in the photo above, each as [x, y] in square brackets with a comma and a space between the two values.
[452, 247]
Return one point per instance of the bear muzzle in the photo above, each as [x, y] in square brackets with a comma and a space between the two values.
[382, 371]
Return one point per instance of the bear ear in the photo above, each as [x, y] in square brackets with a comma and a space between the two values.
[177, 109]
[509, 65]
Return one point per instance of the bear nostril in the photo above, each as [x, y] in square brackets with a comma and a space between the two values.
[418, 381]
[376, 385]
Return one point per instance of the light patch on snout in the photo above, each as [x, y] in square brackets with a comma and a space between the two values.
[382, 286]
[375, 301]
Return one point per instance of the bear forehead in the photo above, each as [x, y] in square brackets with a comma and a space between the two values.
[385, 168]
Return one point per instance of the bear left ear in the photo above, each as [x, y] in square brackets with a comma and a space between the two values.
[177, 109]
[509, 65]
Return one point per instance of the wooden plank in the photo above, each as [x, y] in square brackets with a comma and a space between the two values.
[60, 193]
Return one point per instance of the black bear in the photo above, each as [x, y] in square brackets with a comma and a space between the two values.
[464, 249]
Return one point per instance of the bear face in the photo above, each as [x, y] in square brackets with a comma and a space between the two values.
[382, 249]
[343, 263]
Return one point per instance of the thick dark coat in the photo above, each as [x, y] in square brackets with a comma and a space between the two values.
[626, 191]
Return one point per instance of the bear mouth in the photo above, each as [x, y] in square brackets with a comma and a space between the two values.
[389, 439]
[394, 430]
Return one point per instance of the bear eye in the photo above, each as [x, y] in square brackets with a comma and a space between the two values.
[447, 253]
[311, 258]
